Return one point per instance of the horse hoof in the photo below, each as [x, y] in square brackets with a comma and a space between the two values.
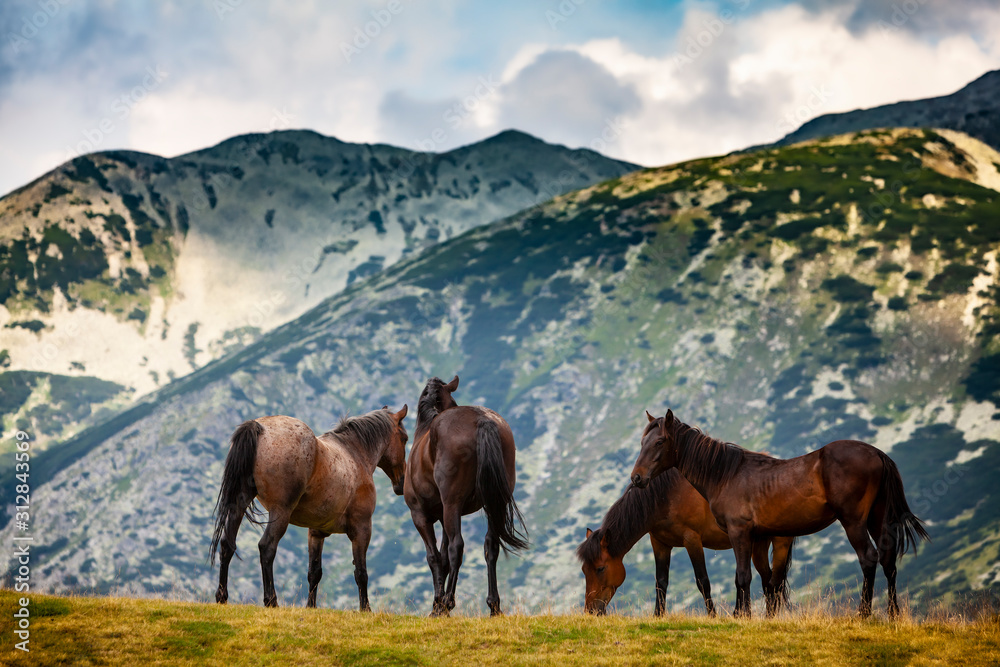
[439, 613]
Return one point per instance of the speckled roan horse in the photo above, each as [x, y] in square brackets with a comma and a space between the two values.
[322, 483]
[673, 514]
[462, 460]
[754, 496]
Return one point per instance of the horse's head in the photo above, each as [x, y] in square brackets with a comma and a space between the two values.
[434, 399]
[658, 452]
[604, 573]
[393, 461]
[438, 393]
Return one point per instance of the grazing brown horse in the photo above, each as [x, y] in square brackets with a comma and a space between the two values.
[754, 496]
[322, 483]
[462, 460]
[674, 514]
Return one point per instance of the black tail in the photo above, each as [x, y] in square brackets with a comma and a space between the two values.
[899, 524]
[495, 493]
[783, 589]
[238, 491]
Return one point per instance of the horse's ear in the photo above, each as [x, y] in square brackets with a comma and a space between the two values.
[649, 416]
[604, 541]
[452, 386]
[401, 414]
[589, 533]
[668, 420]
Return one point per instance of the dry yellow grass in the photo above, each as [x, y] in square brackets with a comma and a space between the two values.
[92, 631]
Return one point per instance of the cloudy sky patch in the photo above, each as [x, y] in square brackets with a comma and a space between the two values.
[675, 80]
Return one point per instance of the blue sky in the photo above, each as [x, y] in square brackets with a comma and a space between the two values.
[650, 82]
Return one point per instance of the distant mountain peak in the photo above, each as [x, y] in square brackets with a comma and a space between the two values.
[973, 110]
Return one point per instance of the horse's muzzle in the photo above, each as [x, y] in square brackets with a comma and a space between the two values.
[639, 481]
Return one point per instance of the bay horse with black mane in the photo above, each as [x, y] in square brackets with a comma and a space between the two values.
[322, 483]
[754, 496]
[673, 514]
[462, 460]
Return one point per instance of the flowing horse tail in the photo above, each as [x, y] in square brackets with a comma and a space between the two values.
[238, 491]
[495, 493]
[900, 524]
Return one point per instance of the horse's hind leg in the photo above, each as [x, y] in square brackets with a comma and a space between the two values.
[360, 537]
[857, 533]
[886, 540]
[696, 553]
[276, 526]
[452, 524]
[491, 549]
[227, 547]
[759, 556]
[315, 563]
[780, 556]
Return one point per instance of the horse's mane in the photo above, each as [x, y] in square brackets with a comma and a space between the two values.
[427, 407]
[628, 518]
[365, 432]
[704, 458]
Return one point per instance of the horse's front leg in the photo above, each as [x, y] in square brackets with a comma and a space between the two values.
[661, 556]
[360, 537]
[743, 550]
[425, 527]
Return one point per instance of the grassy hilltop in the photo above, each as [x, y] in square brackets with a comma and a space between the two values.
[91, 631]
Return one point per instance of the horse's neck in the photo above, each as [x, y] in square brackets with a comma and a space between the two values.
[690, 463]
[356, 452]
[628, 532]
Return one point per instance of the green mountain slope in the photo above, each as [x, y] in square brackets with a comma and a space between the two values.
[779, 299]
[135, 269]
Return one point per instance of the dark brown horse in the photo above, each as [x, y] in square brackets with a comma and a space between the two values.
[324, 484]
[674, 514]
[754, 496]
[462, 460]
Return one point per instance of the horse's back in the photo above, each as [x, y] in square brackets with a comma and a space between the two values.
[461, 423]
[286, 457]
[455, 436]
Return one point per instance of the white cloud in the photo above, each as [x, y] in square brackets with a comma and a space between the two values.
[751, 80]
[755, 78]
